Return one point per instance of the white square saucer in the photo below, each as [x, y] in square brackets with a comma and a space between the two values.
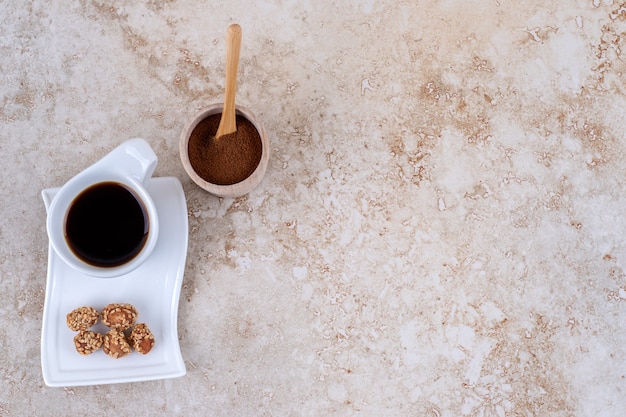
[153, 288]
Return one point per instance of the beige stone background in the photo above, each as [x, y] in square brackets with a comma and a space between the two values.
[440, 232]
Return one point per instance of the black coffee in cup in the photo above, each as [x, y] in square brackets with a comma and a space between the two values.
[107, 225]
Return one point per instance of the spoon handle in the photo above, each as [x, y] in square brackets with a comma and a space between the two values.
[233, 46]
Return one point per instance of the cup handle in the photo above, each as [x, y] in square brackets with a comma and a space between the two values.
[134, 157]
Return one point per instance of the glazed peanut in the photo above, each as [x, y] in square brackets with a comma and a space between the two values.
[142, 338]
[115, 344]
[81, 318]
[119, 316]
[87, 342]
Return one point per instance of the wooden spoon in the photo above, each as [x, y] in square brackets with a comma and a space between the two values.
[228, 123]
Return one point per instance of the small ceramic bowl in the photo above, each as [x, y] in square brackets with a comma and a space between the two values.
[232, 190]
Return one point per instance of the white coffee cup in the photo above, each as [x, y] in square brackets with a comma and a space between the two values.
[129, 165]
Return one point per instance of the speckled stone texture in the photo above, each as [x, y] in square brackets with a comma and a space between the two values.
[440, 231]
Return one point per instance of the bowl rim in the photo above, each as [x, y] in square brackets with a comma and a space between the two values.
[230, 190]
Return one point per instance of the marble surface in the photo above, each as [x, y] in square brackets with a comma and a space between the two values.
[440, 231]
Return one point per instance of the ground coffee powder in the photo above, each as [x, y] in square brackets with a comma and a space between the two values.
[229, 159]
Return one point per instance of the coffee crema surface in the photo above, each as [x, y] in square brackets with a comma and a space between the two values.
[107, 225]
